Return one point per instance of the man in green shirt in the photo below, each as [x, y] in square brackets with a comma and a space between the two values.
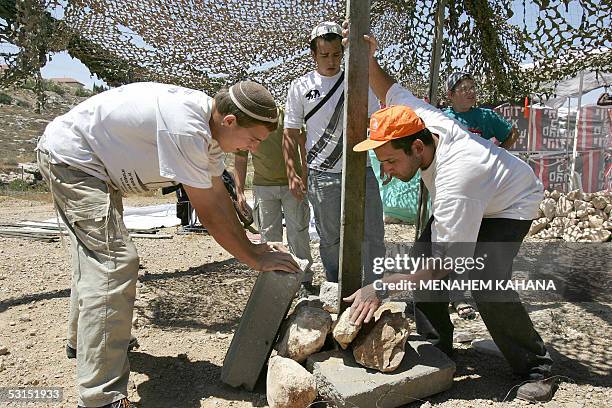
[273, 199]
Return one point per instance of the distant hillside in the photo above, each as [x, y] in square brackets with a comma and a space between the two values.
[21, 125]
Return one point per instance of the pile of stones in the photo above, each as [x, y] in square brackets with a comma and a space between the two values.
[574, 217]
[379, 345]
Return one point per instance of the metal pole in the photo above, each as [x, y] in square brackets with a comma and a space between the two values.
[434, 71]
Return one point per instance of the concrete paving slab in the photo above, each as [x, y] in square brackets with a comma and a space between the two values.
[262, 317]
[424, 371]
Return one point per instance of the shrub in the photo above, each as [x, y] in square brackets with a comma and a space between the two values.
[5, 99]
[82, 92]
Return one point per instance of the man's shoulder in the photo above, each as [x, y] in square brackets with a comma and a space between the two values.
[307, 78]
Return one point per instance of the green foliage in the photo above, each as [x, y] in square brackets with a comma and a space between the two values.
[99, 88]
[82, 92]
[5, 99]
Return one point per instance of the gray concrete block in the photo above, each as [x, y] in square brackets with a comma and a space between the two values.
[424, 371]
[252, 343]
[487, 346]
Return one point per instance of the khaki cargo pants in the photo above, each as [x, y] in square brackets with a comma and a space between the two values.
[105, 270]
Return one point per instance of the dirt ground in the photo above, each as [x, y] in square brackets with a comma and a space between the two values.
[189, 302]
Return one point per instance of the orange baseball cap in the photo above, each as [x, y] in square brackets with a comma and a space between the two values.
[390, 123]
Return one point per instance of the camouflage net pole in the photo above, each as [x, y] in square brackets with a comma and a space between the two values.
[206, 44]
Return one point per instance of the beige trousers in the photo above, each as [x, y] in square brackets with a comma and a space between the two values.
[105, 270]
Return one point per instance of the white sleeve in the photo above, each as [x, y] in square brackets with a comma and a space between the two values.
[188, 159]
[294, 108]
[435, 120]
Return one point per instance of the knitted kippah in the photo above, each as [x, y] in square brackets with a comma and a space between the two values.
[254, 100]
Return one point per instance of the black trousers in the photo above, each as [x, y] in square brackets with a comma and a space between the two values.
[502, 312]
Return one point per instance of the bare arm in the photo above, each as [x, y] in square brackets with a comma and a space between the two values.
[380, 81]
[215, 210]
[511, 140]
[293, 138]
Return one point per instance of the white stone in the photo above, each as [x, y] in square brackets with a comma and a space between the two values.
[344, 331]
[607, 225]
[548, 206]
[564, 207]
[581, 205]
[289, 385]
[595, 221]
[574, 195]
[304, 334]
[560, 222]
[555, 195]
[608, 209]
[599, 202]
[463, 337]
[588, 196]
[596, 235]
[538, 225]
[487, 346]
[329, 296]
[572, 234]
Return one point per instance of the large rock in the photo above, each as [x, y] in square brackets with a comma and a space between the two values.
[564, 207]
[555, 195]
[548, 207]
[344, 331]
[588, 196]
[574, 195]
[608, 209]
[289, 385]
[581, 205]
[561, 222]
[595, 221]
[304, 333]
[380, 345]
[538, 225]
[599, 202]
[607, 225]
[328, 295]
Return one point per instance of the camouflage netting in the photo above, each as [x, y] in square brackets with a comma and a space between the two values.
[208, 43]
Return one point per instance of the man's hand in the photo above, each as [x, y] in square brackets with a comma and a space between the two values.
[373, 44]
[386, 178]
[297, 187]
[276, 261]
[365, 303]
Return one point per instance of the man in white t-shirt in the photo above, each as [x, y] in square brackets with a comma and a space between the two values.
[483, 201]
[316, 101]
[135, 138]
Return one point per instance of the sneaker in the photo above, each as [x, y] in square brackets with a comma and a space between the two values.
[133, 344]
[122, 403]
[538, 390]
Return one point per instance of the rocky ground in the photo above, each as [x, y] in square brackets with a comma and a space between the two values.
[190, 298]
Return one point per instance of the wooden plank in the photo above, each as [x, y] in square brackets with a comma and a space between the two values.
[353, 168]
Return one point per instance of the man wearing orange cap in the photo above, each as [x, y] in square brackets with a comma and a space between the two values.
[479, 193]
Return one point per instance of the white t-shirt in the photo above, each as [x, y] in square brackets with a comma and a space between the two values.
[470, 178]
[324, 153]
[139, 137]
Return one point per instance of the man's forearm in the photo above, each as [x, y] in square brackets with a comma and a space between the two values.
[216, 211]
[290, 142]
[380, 81]
[511, 140]
[240, 170]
